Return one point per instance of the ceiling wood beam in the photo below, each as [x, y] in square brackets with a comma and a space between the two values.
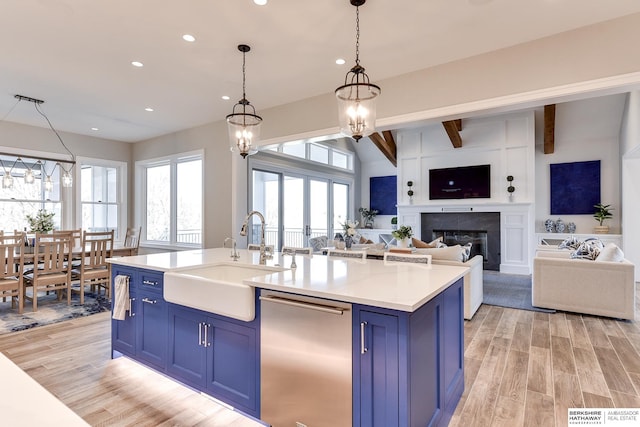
[549, 128]
[453, 128]
[387, 144]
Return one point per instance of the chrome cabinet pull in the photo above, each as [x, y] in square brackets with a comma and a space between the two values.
[150, 282]
[131, 312]
[149, 301]
[206, 335]
[363, 349]
[199, 333]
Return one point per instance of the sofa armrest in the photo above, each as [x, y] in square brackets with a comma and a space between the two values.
[473, 283]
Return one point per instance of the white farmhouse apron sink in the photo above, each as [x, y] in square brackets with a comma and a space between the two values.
[216, 288]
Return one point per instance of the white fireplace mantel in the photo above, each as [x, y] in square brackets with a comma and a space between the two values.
[517, 237]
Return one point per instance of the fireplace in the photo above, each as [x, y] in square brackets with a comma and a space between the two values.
[481, 229]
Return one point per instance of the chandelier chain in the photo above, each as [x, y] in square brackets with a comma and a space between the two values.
[244, 95]
[357, 35]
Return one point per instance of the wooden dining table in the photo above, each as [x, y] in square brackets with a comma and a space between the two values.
[117, 251]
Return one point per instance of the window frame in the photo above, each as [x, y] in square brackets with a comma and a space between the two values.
[64, 199]
[141, 167]
[121, 192]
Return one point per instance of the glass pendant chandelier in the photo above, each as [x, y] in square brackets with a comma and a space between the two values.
[244, 123]
[29, 175]
[357, 97]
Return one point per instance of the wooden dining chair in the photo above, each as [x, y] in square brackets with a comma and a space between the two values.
[414, 258]
[132, 239]
[51, 269]
[94, 269]
[296, 250]
[11, 269]
[338, 253]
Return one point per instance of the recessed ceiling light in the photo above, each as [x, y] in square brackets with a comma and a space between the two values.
[260, 2]
[340, 61]
[95, 129]
[225, 97]
[188, 38]
[137, 64]
[148, 109]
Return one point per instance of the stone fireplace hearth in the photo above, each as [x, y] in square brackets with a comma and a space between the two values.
[482, 229]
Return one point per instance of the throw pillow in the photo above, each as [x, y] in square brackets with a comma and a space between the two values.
[466, 252]
[589, 249]
[449, 253]
[611, 253]
[365, 241]
[420, 244]
[570, 243]
[317, 243]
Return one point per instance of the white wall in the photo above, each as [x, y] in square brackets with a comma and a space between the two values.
[505, 142]
[584, 130]
[630, 147]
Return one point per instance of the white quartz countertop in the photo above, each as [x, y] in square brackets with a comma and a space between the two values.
[398, 286]
[24, 402]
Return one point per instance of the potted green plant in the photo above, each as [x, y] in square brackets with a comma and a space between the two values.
[402, 235]
[41, 222]
[602, 213]
[369, 216]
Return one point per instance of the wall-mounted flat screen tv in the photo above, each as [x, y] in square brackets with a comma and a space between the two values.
[467, 182]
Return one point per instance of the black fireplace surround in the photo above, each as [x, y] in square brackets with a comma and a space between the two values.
[480, 228]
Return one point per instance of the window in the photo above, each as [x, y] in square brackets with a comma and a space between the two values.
[22, 199]
[298, 203]
[103, 196]
[172, 191]
[325, 154]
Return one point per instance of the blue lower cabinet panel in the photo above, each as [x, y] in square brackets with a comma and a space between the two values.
[123, 332]
[378, 359]
[216, 356]
[151, 341]
[452, 348]
[408, 367]
[187, 356]
[233, 365]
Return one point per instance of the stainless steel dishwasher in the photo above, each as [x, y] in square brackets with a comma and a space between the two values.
[305, 361]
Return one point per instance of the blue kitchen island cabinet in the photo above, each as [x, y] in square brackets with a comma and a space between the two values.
[139, 336]
[408, 367]
[216, 355]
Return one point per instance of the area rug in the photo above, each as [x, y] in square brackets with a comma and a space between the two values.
[50, 311]
[509, 290]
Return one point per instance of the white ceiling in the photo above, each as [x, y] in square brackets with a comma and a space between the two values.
[76, 54]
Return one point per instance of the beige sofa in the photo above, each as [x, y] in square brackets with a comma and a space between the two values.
[601, 288]
[473, 280]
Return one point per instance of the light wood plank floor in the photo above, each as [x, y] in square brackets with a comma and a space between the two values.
[522, 368]
[71, 360]
[525, 368]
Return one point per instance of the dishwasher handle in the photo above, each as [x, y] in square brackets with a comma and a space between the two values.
[301, 304]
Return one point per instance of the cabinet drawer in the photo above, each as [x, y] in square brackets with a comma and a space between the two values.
[150, 281]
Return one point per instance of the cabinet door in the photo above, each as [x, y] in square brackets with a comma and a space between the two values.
[186, 358]
[151, 340]
[232, 371]
[452, 346]
[378, 393]
[123, 332]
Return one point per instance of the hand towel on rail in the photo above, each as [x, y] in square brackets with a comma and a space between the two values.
[121, 301]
